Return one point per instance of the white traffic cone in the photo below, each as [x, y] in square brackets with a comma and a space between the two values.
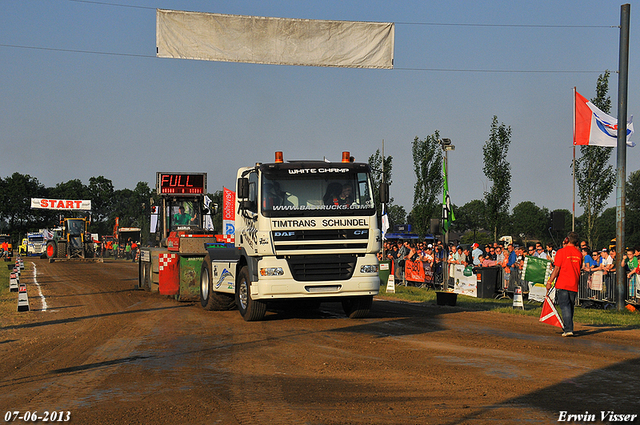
[391, 285]
[517, 298]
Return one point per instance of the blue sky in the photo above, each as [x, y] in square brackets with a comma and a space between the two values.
[67, 113]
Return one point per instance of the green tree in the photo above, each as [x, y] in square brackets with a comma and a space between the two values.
[470, 217]
[375, 163]
[100, 192]
[16, 192]
[594, 174]
[397, 214]
[498, 171]
[217, 198]
[73, 189]
[528, 219]
[132, 208]
[427, 165]
[607, 228]
[632, 213]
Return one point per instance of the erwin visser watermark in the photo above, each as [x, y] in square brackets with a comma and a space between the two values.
[603, 416]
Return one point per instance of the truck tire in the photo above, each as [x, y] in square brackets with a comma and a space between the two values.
[52, 249]
[142, 276]
[62, 250]
[250, 309]
[210, 299]
[357, 307]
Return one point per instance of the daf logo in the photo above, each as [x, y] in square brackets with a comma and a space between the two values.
[284, 233]
[360, 232]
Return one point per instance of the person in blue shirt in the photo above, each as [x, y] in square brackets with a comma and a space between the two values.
[587, 260]
[476, 253]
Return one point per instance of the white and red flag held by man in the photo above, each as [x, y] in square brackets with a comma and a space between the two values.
[595, 128]
[549, 313]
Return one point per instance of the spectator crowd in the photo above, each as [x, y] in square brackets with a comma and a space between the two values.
[511, 259]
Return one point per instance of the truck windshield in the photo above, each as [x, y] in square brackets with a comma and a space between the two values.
[36, 239]
[184, 215]
[75, 226]
[316, 190]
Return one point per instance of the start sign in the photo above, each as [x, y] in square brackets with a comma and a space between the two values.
[60, 204]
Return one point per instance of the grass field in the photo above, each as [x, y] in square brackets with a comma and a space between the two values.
[582, 315]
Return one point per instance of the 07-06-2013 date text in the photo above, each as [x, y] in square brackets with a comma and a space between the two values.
[46, 416]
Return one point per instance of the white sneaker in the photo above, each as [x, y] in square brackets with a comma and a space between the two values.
[567, 334]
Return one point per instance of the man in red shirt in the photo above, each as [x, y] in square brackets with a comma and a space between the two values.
[568, 263]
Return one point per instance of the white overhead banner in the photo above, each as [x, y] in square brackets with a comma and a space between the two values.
[61, 204]
[278, 41]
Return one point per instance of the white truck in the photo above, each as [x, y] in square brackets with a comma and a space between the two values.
[34, 244]
[305, 232]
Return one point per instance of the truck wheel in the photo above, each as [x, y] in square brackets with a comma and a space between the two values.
[250, 309]
[142, 276]
[358, 307]
[62, 250]
[210, 299]
[52, 249]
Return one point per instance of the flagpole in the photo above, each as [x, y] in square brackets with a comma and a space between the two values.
[623, 77]
[384, 210]
[573, 164]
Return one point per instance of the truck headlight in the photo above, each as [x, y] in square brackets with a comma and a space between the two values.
[271, 271]
[369, 268]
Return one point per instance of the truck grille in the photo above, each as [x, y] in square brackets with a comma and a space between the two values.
[327, 239]
[310, 268]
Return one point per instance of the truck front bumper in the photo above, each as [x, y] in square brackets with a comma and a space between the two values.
[364, 281]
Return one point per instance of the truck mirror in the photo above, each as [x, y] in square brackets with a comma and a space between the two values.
[384, 193]
[243, 188]
[246, 205]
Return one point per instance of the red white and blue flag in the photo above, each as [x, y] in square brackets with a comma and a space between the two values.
[595, 128]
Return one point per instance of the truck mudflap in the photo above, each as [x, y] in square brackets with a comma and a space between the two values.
[222, 263]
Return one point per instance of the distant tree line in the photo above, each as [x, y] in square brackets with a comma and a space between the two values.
[131, 206]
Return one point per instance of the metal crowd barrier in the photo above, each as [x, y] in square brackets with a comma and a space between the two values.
[588, 292]
[606, 292]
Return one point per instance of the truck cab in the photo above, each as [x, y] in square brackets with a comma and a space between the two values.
[306, 230]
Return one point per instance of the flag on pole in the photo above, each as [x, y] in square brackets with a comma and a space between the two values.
[595, 128]
[385, 222]
[208, 222]
[549, 313]
[447, 213]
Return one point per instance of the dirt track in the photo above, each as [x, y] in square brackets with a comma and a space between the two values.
[109, 353]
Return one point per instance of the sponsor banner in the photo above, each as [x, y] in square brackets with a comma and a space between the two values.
[228, 227]
[417, 271]
[228, 204]
[464, 285]
[60, 204]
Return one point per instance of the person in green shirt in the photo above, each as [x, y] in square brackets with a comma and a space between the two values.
[182, 218]
[115, 249]
[631, 263]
